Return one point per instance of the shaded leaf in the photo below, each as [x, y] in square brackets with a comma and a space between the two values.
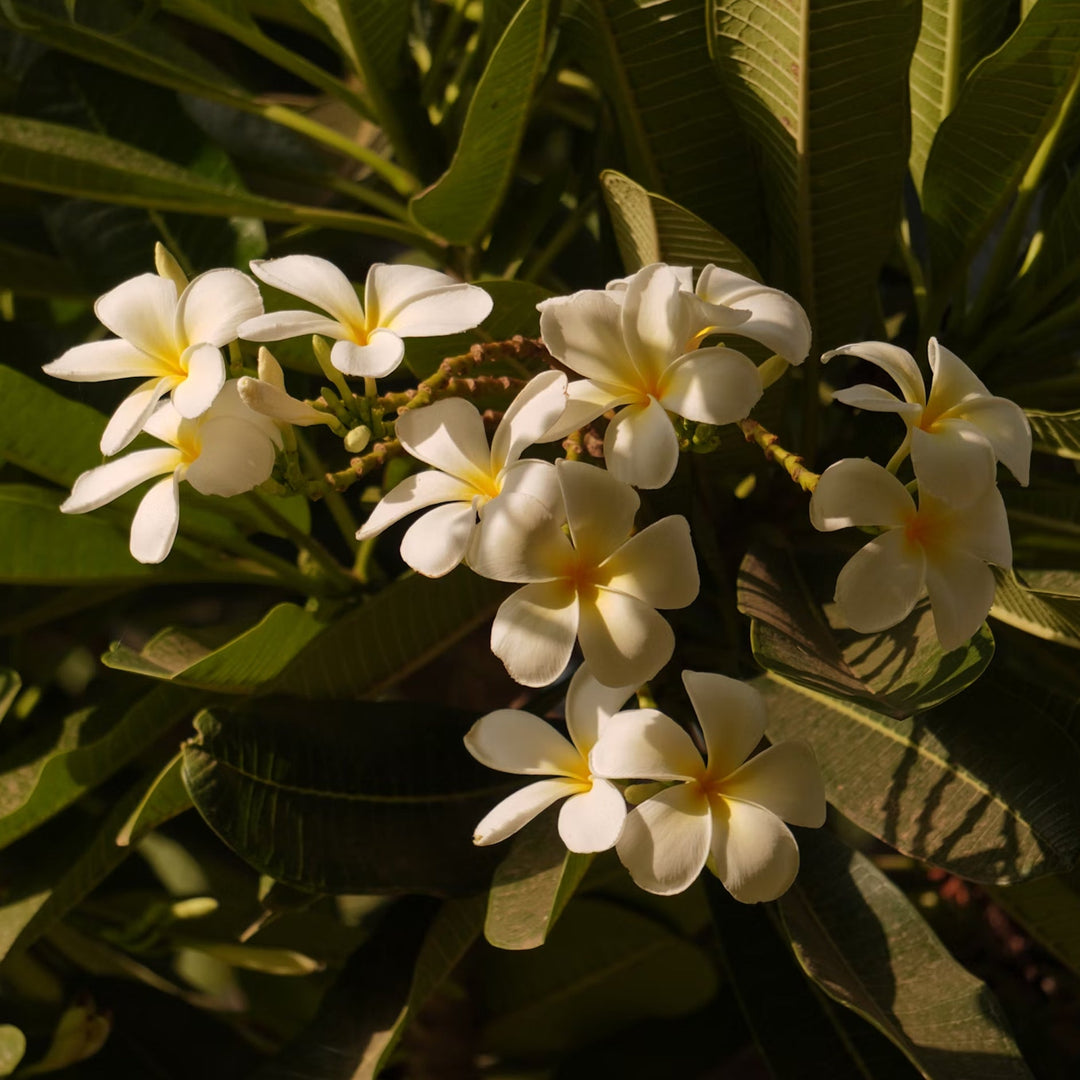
[1048, 617]
[165, 799]
[1055, 432]
[10, 685]
[257, 958]
[30, 273]
[1049, 910]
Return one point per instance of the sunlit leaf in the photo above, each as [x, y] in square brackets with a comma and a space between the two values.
[1048, 617]
[1055, 432]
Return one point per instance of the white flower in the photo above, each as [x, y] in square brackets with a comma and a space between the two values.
[956, 434]
[595, 585]
[226, 450]
[399, 301]
[449, 435]
[173, 341]
[518, 742]
[940, 548]
[636, 349]
[267, 395]
[720, 812]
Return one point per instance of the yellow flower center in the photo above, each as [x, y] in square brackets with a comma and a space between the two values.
[925, 529]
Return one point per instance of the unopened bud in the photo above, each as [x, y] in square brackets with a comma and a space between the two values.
[321, 347]
[168, 268]
[270, 370]
[357, 439]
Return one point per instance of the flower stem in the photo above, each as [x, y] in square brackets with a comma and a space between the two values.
[791, 463]
[339, 509]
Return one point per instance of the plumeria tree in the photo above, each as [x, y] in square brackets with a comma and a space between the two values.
[539, 538]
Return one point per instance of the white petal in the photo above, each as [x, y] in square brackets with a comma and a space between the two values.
[536, 478]
[113, 358]
[881, 583]
[153, 528]
[876, 399]
[657, 565]
[279, 325]
[856, 491]
[214, 305]
[446, 310]
[96, 487]
[590, 705]
[166, 424]
[534, 632]
[599, 508]
[623, 640]
[712, 386]
[655, 322]
[133, 413]
[644, 744]
[1003, 422]
[961, 588]
[640, 446]
[414, 493]
[785, 779]
[235, 456]
[517, 742]
[449, 435]
[142, 311]
[753, 852]
[378, 358]
[584, 332]
[517, 810]
[953, 380]
[955, 461]
[665, 841]
[436, 542]
[315, 280]
[205, 378]
[535, 409]
[389, 287]
[593, 820]
[585, 401]
[897, 362]
[270, 400]
[981, 528]
[732, 718]
[519, 540]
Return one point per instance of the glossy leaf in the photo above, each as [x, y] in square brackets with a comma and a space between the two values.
[462, 203]
[353, 798]
[904, 981]
[1055, 433]
[966, 786]
[1048, 617]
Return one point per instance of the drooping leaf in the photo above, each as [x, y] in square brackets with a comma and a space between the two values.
[822, 90]
[462, 203]
[1048, 617]
[165, 798]
[859, 937]
[966, 786]
[650, 228]
[352, 797]
[532, 886]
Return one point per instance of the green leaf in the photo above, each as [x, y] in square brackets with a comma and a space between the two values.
[900, 671]
[966, 786]
[532, 886]
[822, 90]
[12, 1048]
[1007, 115]
[1055, 432]
[602, 968]
[1047, 617]
[257, 958]
[1049, 910]
[462, 203]
[954, 36]
[858, 936]
[355, 798]
[650, 228]
[30, 273]
[60, 763]
[165, 799]
[679, 133]
[10, 685]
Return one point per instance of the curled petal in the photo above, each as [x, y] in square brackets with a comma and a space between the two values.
[519, 540]
[623, 640]
[205, 378]
[517, 810]
[449, 435]
[753, 852]
[785, 779]
[593, 820]
[142, 311]
[876, 399]
[643, 744]
[590, 705]
[585, 401]
[99, 486]
[534, 632]
[640, 446]
[955, 461]
[584, 332]
[712, 386]
[953, 380]
[1002, 422]
[539, 404]
[279, 325]
[447, 310]
[517, 742]
[599, 508]
[732, 718]
[315, 280]
[961, 589]
[414, 493]
[214, 305]
[881, 583]
[665, 841]
[378, 358]
[435, 543]
[133, 413]
[655, 321]
[897, 362]
[856, 491]
[113, 358]
[153, 528]
[657, 565]
[166, 424]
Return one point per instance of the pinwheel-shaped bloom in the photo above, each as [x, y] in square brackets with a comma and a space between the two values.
[171, 340]
[955, 435]
[399, 302]
[776, 319]
[637, 350]
[226, 450]
[518, 742]
[719, 812]
[939, 549]
[449, 435]
[598, 585]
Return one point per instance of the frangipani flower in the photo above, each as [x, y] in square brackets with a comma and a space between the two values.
[956, 434]
[518, 742]
[172, 340]
[941, 549]
[449, 435]
[719, 812]
[400, 301]
[226, 450]
[637, 351]
[598, 585]
[267, 395]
